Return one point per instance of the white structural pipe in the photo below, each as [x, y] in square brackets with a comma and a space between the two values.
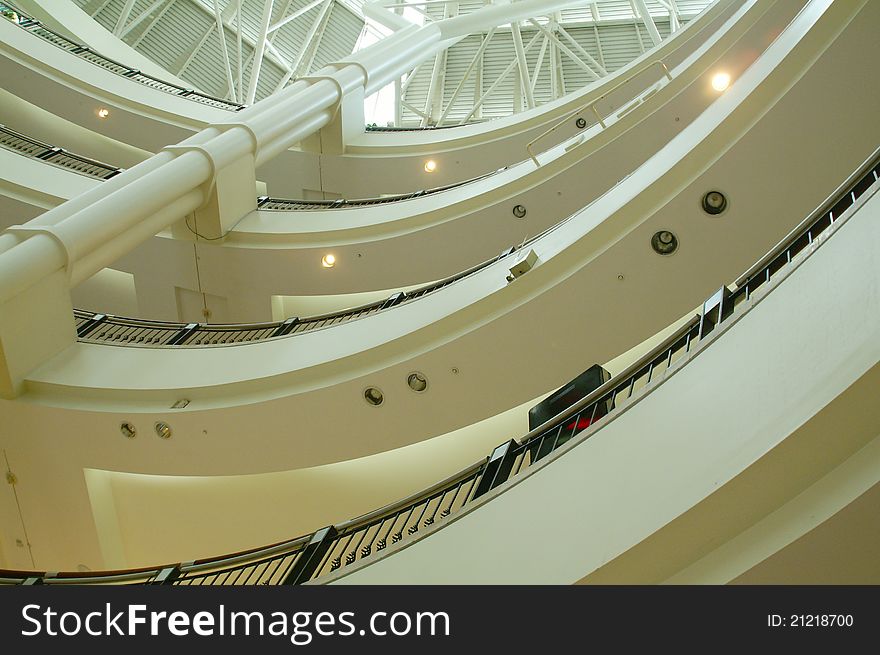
[90, 232]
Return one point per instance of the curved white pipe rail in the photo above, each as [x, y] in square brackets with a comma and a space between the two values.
[262, 131]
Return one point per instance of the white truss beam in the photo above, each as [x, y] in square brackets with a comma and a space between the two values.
[299, 12]
[123, 16]
[522, 64]
[565, 49]
[498, 80]
[471, 66]
[261, 48]
[152, 24]
[580, 50]
[649, 22]
[141, 17]
[297, 65]
[238, 71]
[221, 34]
[539, 63]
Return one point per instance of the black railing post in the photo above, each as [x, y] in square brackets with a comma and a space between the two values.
[90, 325]
[312, 555]
[714, 310]
[394, 299]
[183, 334]
[166, 576]
[286, 327]
[497, 469]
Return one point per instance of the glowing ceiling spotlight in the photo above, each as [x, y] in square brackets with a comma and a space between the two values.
[430, 166]
[328, 261]
[720, 81]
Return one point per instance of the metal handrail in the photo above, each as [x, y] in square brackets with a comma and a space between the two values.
[362, 536]
[832, 200]
[283, 204]
[592, 105]
[104, 328]
[32, 25]
[56, 156]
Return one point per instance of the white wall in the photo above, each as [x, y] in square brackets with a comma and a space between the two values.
[735, 403]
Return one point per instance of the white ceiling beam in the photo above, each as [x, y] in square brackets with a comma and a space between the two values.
[554, 63]
[221, 34]
[152, 24]
[195, 49]
[522, 65]
[565, 49]
[498, 80]
[258, 55]
[299, 12]
[581, 51]
[140, 18]
[271, 48]
[238, 51]
[478, 86]
[467, 74]
[539, 63]
[300, 57]
[123, 16]
[653, 32]
[433, 87]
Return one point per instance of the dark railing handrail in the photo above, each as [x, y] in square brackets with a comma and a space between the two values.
[338, 316]
[50, 151]
[827, 205]
[30, 23]
[345, 203]
[344, 533]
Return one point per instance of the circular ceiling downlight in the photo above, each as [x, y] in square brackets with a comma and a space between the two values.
[417, 382]
[664, 242]
[374, 396]
[714, 202]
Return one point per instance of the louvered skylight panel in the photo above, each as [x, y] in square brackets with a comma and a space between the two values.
[270, 75]
[457, 61]
[172, 39]
[339, 36]
[207, 68]
[499, 54]
[289, 39]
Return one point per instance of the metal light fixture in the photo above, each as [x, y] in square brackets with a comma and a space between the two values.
[328, 261]
[580, 123]
[374, 396]
[519, 211]
[720, 81]
[714, 202]
[128, 430]
[163, 430]
[664, 242]
[430, 166]
[103, 112]
[417, 382]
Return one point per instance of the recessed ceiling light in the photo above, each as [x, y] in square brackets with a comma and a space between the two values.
[374, 396]
[103, 112]
[417, 382]
[128, 430]
[720, 81]
[664, 242]
[714, 202]
[430, 166]
[519, 211]
[328, 261]
[163, 430]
